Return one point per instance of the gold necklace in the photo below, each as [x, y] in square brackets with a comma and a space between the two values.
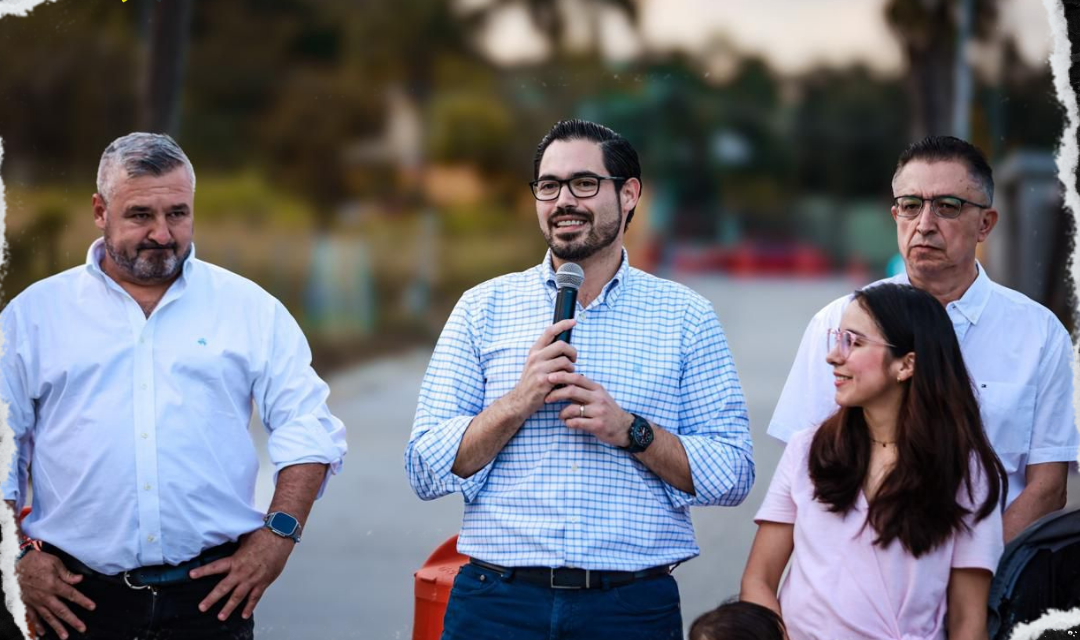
[883, 444]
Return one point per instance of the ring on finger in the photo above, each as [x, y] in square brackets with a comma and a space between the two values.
[581, 411]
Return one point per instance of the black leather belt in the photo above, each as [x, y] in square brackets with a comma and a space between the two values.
[161, 575]
[567, 578]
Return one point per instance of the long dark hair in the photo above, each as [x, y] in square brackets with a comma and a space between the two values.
[939, 433]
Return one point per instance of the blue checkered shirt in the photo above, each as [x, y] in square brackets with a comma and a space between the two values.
[558, 497]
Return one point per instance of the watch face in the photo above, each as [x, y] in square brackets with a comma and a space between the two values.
[644, 435]
[283, 523]
[641, 434]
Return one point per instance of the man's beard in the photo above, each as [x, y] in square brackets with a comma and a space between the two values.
[582, 248]
[157, 265]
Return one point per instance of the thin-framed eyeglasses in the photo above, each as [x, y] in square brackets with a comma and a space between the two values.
[948, 207]
[585, 186]
[845, 340]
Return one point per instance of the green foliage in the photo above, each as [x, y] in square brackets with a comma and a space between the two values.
[248, 198]
[848, 129]
[470, 129]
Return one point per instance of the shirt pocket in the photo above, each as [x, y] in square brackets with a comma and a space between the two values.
[502, 363]
[1008, 412]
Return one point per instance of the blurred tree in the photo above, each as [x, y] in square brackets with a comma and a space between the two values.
[66, 89]
[1033, 117]
[927, 31]
[847, 129]
[469, 128]
[166, 33]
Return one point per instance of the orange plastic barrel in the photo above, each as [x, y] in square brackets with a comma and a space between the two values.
[433, 583]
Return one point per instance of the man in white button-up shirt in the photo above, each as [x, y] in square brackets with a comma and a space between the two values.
[1019, 354]
[130, 382]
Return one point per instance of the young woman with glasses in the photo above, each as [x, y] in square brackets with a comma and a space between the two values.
[889, 512]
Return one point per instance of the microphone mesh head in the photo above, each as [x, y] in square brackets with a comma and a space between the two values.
[569, 275]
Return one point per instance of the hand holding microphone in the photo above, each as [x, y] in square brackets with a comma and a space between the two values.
[591, 408]
[551, 353]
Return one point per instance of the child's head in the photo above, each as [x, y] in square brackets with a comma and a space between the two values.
[735, 620]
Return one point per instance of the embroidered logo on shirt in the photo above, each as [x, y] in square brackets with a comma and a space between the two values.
[202, 341]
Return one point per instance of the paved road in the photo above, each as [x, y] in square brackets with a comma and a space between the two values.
[352, 575]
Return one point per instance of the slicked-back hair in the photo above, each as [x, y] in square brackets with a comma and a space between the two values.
[951, 149]
[737, 620]
[620, 158]
[940, 442]
[140, 154]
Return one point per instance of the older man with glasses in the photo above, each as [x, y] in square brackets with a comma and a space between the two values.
[1019, 354]
[579, 463]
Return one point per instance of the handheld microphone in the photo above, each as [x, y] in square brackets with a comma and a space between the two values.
[567, 280]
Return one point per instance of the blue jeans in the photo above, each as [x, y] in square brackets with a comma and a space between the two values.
[487, 605]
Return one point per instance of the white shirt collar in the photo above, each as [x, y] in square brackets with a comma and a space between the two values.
[96, 253]
[972, 304]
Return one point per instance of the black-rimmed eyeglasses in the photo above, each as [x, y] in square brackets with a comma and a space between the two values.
[948, 207]
[580, 186]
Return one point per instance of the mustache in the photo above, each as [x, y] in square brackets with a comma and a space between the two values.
[565, 211]
[153, 245]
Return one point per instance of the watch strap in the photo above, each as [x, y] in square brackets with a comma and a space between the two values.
[641, 435]
[294, 534]
[26, 545]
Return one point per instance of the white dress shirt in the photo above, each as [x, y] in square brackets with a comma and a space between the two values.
[1020, 360]
[135, 429]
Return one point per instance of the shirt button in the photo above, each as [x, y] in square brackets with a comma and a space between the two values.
[150, 538]
[145, 436]
[573, 467]
[142, 340]
[146, 486]
[143, 386]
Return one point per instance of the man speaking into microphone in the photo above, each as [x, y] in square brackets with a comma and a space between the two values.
[579, 459]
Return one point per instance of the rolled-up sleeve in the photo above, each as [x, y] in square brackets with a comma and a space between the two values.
[16, 437]
[1054, 437]
[451, 395]
[714, 427]
[291, 399]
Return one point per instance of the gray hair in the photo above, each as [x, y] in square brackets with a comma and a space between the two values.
[140, 154]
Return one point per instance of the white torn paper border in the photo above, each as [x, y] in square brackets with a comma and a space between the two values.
[19, 7]
[1053, 620]
[9, 545]
[1060, 61]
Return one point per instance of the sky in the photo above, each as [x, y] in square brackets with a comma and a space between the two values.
[809, 32]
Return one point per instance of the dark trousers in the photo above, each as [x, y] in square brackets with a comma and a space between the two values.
[157, 613]
[487, 605]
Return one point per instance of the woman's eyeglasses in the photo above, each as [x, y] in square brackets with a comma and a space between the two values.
[845, 340]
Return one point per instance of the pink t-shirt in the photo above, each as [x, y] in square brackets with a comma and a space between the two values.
[841, 586]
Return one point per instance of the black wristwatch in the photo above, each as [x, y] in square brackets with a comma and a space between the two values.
[283, 524]
[641, 435]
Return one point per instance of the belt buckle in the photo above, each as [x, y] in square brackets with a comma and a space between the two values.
[588, 584]
[132, 586]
